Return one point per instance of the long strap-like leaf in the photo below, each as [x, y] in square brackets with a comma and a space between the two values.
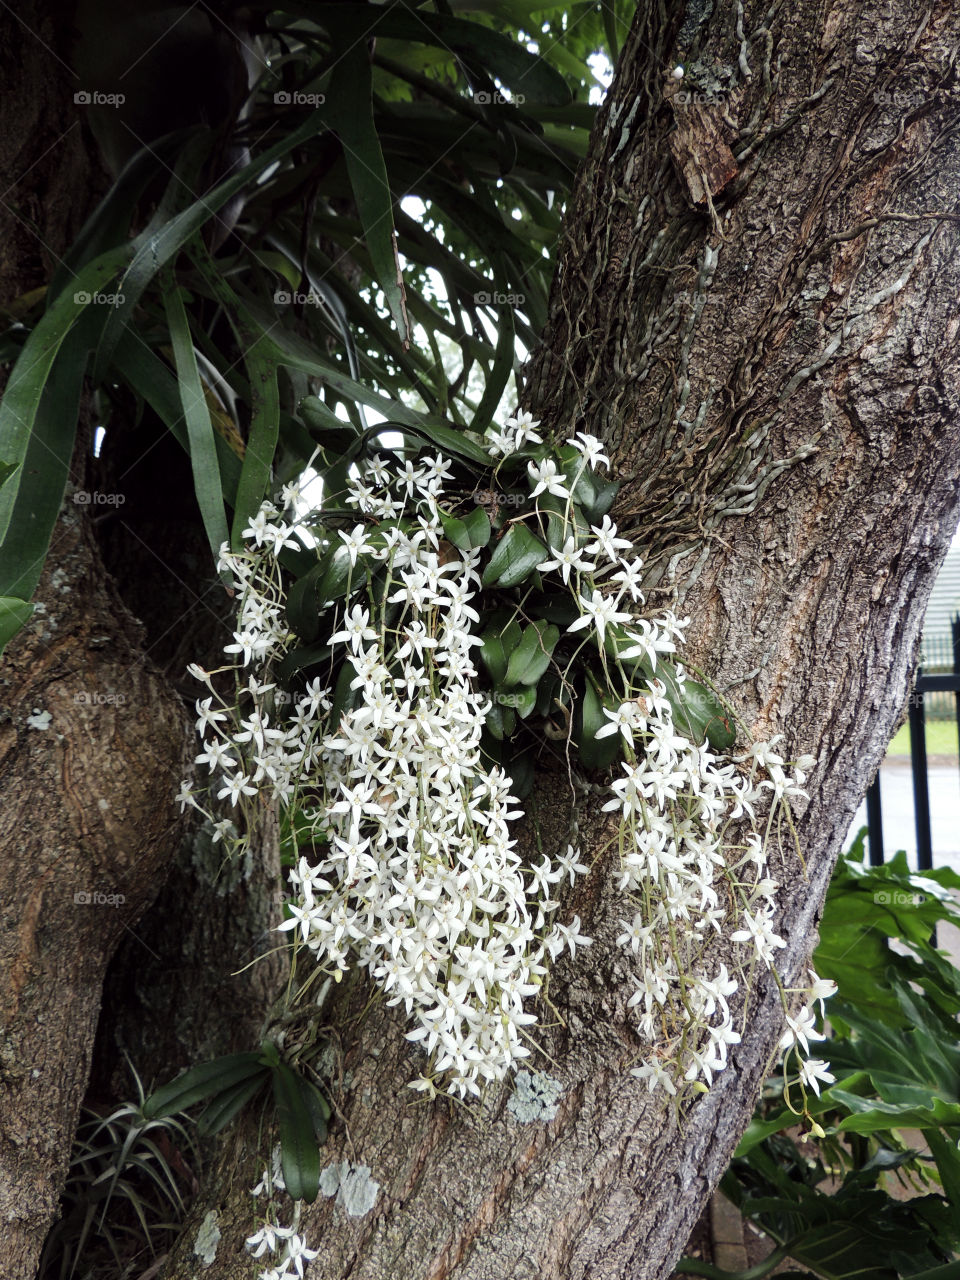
[505, 59]
[34, 492]
[351, 89]
[42, 479]
[28, 379]
[203, 446]
[154, 249]
[264, 431]
[299, 1154]
[144, 371]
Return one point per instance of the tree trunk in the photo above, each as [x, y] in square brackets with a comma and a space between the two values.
[94, 737]
[754, 307]
[93, 742]
[90, 734]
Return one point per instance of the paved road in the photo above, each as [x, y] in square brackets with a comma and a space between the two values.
[896, 798]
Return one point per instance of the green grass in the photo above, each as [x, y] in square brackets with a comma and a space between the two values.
[941, 739]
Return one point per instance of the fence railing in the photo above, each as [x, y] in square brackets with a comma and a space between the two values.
[939, 684]
[938, 657]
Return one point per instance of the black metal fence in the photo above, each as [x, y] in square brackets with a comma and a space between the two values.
[940, 689]
[938, 656]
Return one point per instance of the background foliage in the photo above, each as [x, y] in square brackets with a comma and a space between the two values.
[892, 1120]
[403, 170]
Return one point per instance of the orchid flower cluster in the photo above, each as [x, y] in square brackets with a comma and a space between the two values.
[414, 874]
[274, 1239]
[676, 803]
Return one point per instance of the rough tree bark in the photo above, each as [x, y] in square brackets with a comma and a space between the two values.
[90, 734]
[754, 306]
[93, 737]
[93, 734]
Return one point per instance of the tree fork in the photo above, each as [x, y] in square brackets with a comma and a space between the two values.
[798, 408]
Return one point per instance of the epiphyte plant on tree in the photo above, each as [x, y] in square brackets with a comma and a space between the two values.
[784, 420]
[358, 708]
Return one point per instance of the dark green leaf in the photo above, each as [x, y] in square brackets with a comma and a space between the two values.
[516, 556]
[949, 1271]
[493, 657]
[28, 382]
[326, 582]
[547, 693]
[510, 635]
[37, 488]
[344, 698]
[225, 1106]
[321, 419]
[318, 1107]
[200, 1082]
[264, 431]
[352, 110]
[14, 614]
[561, 609]
[299, 1153]
[471, 531]
[596, 753]
[697, 711]
[602, 495]
[456, 443]
[494, 722]
[531, 657]
[306, 656]
[524, 701]
[203, 448]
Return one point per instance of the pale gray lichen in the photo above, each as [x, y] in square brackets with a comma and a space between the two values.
[327, 1060]
[208, 1237]
[39, 719]
[534, 1096]
[351, 1183]
[712, 78]
[697, 11]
